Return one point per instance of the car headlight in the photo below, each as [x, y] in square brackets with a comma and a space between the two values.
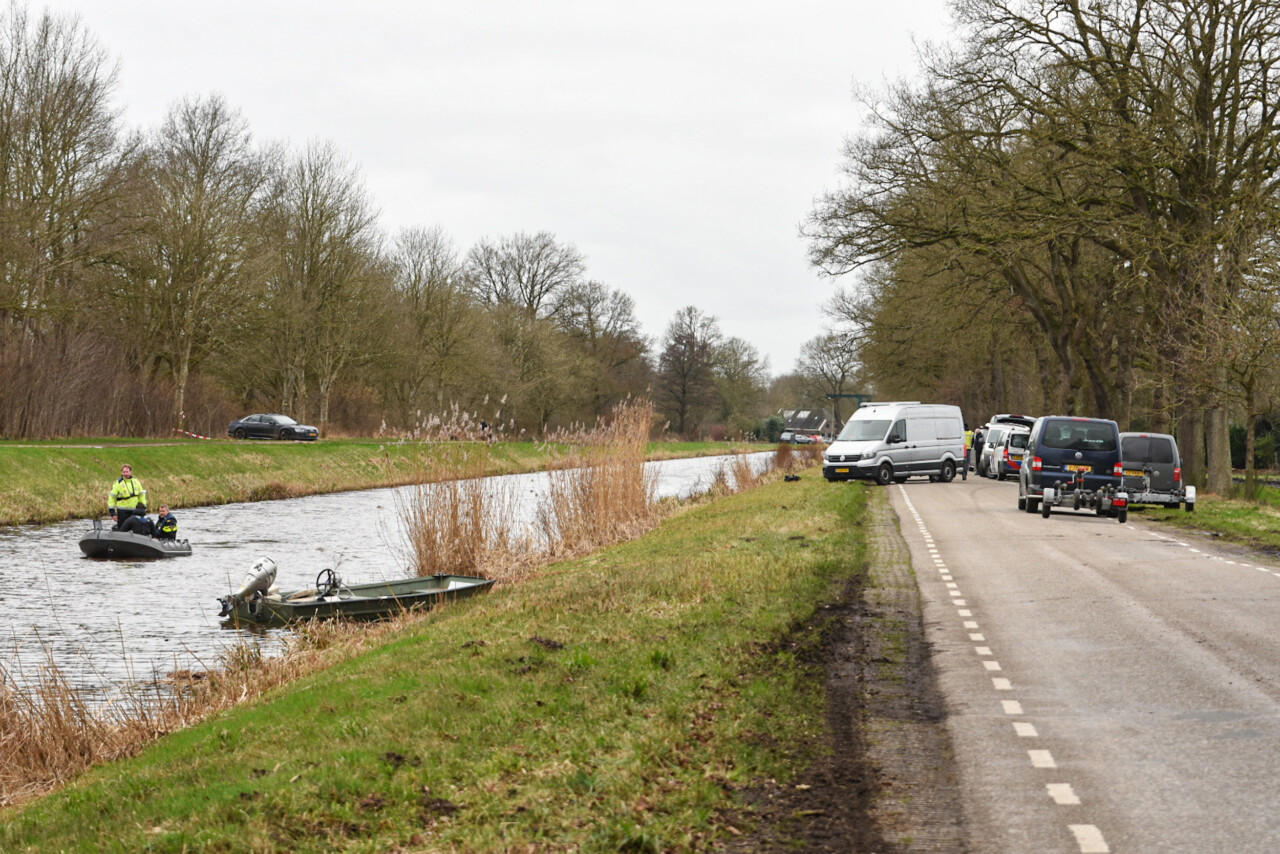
[867, 455]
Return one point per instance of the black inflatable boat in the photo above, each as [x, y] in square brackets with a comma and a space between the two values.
[104, 542]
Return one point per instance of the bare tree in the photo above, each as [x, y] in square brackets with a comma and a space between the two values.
[829, 364]
[603, 325]
[437, 364]
[527, 271]
[686, 368]
[195, 265]
[328, 287]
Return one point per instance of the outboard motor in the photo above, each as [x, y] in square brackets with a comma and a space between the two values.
[257, 581]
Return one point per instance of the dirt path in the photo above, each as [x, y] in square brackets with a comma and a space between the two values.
[888, 785]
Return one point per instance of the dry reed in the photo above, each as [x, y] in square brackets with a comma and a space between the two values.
[599, 492]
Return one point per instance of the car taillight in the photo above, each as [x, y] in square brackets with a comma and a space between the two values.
[1006, 454]
[1117, 470]
[1177, 474]
[1036, 464]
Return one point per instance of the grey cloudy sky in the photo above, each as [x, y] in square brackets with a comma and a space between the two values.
[678, 145]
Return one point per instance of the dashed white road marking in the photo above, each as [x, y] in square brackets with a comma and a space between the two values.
[1062, 793]
[1041, 759]
[1089, 838]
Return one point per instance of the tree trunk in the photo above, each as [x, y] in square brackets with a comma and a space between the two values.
[1218, 444]
[1190, 432]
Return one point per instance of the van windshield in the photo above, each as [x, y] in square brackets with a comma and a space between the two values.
[864, 431]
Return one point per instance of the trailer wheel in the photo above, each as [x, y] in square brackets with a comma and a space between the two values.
[1032, 504]
[1191, 507]
[1044, 509]
[1123, 516]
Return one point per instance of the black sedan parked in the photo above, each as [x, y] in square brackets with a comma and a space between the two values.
[271, 427]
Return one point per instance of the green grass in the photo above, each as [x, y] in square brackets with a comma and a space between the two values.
[1251, 523]
[617, 702]
[52, 481]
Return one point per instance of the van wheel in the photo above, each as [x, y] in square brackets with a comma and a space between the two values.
[1044, 509]
[948, 472]
[884, 474]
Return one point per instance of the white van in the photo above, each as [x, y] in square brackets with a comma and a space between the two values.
[888, 442]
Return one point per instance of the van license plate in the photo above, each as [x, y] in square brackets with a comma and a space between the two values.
[1132, 473]
[1074, 467]
[842, 471]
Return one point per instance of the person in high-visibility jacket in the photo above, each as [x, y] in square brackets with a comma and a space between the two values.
[126, 497]
[166, 524]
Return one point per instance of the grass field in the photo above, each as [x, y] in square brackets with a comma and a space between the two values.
[53, 481]
[620, 702]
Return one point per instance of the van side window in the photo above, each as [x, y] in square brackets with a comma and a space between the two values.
[899, 432]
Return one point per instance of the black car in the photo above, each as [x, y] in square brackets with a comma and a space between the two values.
[271, 427]
[1069, 454]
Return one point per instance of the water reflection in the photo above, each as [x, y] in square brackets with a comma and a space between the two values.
[110, 622]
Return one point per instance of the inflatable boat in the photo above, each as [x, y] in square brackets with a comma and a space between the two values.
[106, 543]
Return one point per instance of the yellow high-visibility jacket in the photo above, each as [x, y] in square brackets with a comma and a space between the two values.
[126, 493]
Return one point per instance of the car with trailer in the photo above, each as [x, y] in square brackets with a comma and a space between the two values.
[1073, 462]
[1153, 471]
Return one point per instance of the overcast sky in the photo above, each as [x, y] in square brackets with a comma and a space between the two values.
[678, 145]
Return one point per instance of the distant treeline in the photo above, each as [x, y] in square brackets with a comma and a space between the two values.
[180, 277]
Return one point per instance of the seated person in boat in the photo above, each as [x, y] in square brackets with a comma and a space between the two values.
[126, 497]
[166, 525]
[138, 523]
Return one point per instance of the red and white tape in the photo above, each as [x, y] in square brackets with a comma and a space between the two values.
[192, 435]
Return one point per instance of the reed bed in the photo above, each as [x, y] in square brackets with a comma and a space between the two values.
[600, 493]
[52, 730]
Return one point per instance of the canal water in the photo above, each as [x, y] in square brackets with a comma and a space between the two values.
[106, 624]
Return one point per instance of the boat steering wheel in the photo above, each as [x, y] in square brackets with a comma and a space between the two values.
[327, 583]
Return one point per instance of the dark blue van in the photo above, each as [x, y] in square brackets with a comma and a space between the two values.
[1069, 454]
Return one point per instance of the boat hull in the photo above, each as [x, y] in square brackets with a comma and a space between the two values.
[358, 602]
[122, 545]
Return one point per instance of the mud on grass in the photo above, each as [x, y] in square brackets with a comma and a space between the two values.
[885, 781]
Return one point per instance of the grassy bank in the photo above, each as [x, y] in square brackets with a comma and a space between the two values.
[1252, 523]
[617, 702]
[52, 481]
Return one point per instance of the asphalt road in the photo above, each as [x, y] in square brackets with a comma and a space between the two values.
[1109, 687]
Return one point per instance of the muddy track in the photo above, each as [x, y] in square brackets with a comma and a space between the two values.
[888, 784]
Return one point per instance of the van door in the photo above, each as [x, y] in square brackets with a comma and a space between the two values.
[897, 447]
[922, 442]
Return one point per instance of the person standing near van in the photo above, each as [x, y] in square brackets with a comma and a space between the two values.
[979, 439]
[126, 497]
